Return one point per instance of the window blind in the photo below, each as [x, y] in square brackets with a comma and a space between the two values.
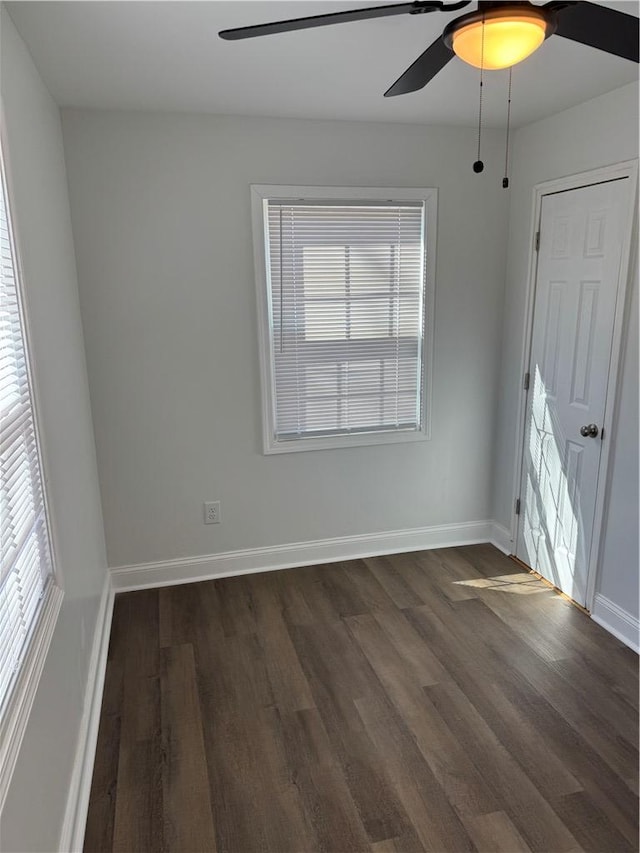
[346, 291]
[25, 552]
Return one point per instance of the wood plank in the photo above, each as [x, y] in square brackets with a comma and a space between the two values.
[596, 728]
[320, 783]
[336, 671]
[287, 680]
[188, 822]
[102, 799]
[236, 610]
[431, 813]
[295, 609]
[98, 836]
[614, 796]
[448, 762]
[166, 599]
[332, 813]
[523, 617]
[596, 696]
[579, 759]
[387, 846]
[457, 565]
[424, 666]
[475, 670]
[494, 833]
[531, 813]
[488, 560]
[341, 590]
[370, 591]
[389, 575]
[431, 575]
[138, 817]
[590, 825]
[398, 845]
[338, 674]
[254, 801]
[328, 592]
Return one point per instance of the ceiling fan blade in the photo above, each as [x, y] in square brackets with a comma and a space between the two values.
[324, 20]
[423, 69]
[597, 26]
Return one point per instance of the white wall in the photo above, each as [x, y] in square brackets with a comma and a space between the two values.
[593, 134]
[619, 576]
[35, 804]
[161, 216]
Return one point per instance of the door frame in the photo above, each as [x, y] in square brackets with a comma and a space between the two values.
[626, 169]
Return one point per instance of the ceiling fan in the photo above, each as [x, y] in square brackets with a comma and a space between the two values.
[496, 35]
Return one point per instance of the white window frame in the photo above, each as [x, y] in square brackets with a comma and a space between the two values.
[15, 715]
[260, 194]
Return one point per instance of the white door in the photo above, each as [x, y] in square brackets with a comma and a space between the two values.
[580, 252]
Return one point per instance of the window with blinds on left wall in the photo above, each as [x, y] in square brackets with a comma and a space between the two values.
[26, 567]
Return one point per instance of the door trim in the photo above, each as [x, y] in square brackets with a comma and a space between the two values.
[627, 169]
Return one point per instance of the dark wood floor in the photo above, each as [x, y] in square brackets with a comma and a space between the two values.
[441, 701]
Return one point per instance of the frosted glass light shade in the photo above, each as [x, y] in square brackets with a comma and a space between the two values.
[507, 40]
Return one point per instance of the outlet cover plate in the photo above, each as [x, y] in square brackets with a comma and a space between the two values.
[212, 512]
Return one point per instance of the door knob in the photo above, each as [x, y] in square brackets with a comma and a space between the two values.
[589, 431]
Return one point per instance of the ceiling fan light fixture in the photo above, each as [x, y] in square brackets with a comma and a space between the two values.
[510, 35]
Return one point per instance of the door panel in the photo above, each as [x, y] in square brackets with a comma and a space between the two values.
[581, 237]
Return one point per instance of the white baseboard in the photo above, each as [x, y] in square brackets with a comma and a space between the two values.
[617, 621]
[72, 835]
[501, 538]
[246, 561]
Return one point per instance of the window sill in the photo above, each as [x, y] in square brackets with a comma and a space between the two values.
[16, 715]
[362, 439]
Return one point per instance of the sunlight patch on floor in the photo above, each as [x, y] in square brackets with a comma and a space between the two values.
[517, 584]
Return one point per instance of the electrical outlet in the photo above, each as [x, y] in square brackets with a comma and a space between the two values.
[212, 512]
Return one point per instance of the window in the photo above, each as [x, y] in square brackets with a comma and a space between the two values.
[345, 295]
[25, 552]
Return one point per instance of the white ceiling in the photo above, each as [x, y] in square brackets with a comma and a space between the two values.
[167, 56]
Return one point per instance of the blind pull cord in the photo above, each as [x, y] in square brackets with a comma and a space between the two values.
[281, 289]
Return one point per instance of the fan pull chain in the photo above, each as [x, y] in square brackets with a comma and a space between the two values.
[505, 180]
[478, 166]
